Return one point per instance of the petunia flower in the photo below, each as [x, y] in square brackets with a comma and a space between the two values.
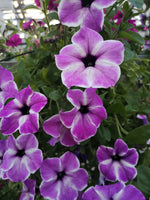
[118, 163]
[27, 25]
[90, 61]
[118, 16]
[87, 114]
[22, 157]
[14, 40]
[8, 88]
[143, 118]
[82, 12]
[117, 191]
[28, 190]
[22, 113]
[62, 177]
[54, 127]
[3, 148]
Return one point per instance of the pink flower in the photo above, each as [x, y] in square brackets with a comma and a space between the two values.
[8, 88]
[118, 163]
[22, 157]
[90, 61]
[87, 13]
[62, 177]
[22, 113]
[54, 127]
[87, 114]
[27, 25]
[14, 41]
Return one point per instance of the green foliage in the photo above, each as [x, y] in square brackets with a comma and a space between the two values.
[130, 96]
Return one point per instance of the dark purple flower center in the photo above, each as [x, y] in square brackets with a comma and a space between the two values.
[84, 109]
[0, 89]
[116, 157]
[20, 153]
[86, 3]
[89, 60]
[1, 157]
[60, 175]
[25, 110]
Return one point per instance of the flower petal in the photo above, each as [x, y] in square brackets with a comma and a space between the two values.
[50, 189]
[69, 162]
[29, 123]
[49, 169]
[37, 101]
[52, 126]
[73, 16]
[12, 121]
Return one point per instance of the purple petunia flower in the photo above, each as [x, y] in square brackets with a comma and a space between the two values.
[14, 40]
[143, 118]
[22, 157]
[118, 16]
[117, 191]
[3, 148]
[23, 112]
[62, 177]
[54, 127]
[118, 163]
[27, 25]
[28, 190]
[8, 88]
[90, 61]
[84, 119]
[82, 12]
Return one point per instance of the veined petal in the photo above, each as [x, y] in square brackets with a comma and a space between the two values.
[86, 39]
[12, 121]
[5, 75]
[111, 51]
[34, 160]
[82, 128]
[27, 142]
[50, 189]
[37, 101]
[76, 97]
[29, 123]
[49, 169]
[23, 95]
[73, 16]
[103, 4]
[18, 172]
[108, 74]
[68, 117]
[81, 183]
[52, 126]
[129, 192]
[94, 19]
[69, 162]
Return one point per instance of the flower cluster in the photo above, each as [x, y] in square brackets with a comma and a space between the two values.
[89, 65]
[14, 40]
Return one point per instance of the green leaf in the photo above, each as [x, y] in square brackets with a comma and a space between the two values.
[54, 95]
[137, 3]
[53, 15]
[139, 135]
[143, 179]
[146, 160]
[117, 108]
[128, 54]
[106, 133]
[31, 7]
[131, 35]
